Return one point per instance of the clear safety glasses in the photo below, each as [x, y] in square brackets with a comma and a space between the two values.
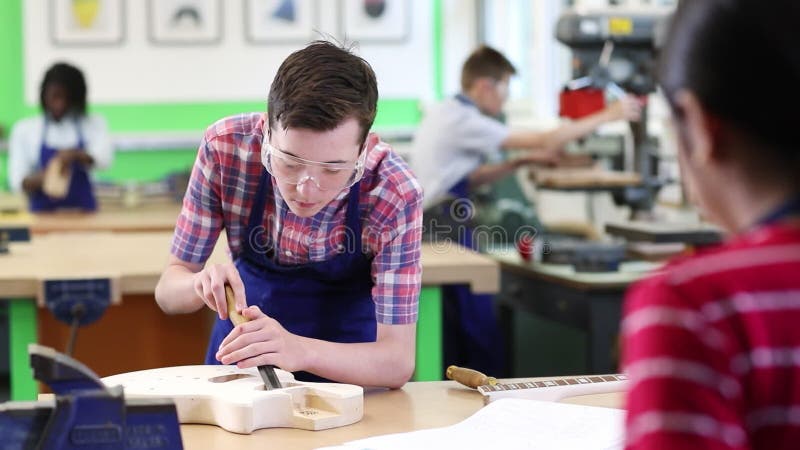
[325, 176]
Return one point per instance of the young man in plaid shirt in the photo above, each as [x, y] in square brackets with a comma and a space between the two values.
[323, 222]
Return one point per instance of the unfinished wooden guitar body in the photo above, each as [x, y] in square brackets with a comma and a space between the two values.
[235, 399]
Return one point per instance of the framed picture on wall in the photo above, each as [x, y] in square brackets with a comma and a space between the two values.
[281, 21]
[184, 22]
[383, 21]
[87, 22]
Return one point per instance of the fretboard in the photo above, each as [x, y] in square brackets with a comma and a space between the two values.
[556, 388]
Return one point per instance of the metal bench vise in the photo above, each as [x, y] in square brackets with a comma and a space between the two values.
[85, 414]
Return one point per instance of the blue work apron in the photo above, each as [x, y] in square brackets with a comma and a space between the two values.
[79, 195]
[472, 337]
[328, 300]
[789, 208]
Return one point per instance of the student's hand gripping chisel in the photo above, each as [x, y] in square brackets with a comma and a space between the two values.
[267, 372]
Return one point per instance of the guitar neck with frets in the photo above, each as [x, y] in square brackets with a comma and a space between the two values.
[556, 388]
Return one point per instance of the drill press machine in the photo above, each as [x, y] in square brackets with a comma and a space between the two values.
[614, 52]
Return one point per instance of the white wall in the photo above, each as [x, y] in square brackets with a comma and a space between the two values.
[550, 60]
[460, 37]
[542, 62]
[137, 71]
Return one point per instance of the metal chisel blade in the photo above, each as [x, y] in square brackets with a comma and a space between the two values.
[267, 372]
[270, 378]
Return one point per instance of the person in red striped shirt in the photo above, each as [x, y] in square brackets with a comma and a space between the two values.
[712, 342]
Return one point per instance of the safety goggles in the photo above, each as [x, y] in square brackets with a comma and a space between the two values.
[325, 176]
[502, 88]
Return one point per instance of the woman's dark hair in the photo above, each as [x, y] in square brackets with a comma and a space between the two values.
[320, 86]
[741, 58]
[71, 79]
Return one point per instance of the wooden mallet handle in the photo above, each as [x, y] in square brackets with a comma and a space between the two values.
[469, 377]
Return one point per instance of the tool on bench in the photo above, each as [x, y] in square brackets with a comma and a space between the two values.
[85, 413]
[267, 372]
[469, 377]
[552, 389]
[13, 233]
[78, 302]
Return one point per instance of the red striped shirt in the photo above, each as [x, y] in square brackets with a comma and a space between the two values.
[712, 348]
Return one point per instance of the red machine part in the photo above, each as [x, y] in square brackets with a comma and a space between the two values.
[578, 103]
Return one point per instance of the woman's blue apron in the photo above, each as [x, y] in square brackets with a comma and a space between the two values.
[79, 195]
[328, 300]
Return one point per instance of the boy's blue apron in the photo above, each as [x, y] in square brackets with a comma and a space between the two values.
[329, 300]
[79, 195]
[472, 335]
[789, 208]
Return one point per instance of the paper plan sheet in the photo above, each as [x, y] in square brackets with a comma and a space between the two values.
[514, 424]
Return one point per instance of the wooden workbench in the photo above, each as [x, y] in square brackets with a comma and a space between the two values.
[588, 301]
[584, 178]
[418, 405]
[136, 335]
[152, 216]
[137, 259]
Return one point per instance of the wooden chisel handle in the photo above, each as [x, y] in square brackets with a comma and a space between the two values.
[267, 372]
[469, 377]
[234, 315]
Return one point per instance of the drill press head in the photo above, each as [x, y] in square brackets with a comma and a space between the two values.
[616, 46]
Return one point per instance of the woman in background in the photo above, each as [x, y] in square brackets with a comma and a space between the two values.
[64, 132]
[712, 343]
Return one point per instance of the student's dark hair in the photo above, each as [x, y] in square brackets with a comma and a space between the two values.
[741, 58]
[485, 61]
[71, 79]
[320, 86]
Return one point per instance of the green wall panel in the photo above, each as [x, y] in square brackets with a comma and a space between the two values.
[144, 166]
[11, 66]
[144, 117]
[197, 116]
[124, 118]
[148, 165]
[3, 171]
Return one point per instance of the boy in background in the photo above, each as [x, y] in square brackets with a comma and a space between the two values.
[456, 148]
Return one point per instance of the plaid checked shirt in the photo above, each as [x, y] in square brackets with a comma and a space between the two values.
[220, 195]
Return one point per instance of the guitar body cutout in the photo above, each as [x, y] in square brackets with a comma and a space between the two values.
[235, 399]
